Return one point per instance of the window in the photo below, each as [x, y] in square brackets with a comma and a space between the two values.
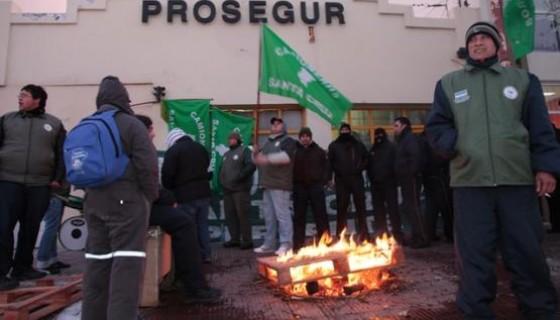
[364, 119]
[547, 27]
[292, 115]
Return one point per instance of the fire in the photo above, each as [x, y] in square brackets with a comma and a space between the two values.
[341, 268]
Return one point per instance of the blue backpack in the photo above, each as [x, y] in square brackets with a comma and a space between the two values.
[93, 152]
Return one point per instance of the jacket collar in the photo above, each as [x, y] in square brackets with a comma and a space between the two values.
[496, 67]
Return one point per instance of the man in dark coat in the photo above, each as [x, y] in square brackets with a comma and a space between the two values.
[347, 160]
[310, 177]
[181, 226]
[236, 177]
[381, 173]
[185, 172]
[117, 217]
[408, 166]
[30, 164]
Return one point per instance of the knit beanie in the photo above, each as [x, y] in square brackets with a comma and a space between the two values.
[486, 28]
[173, 136]
[305, 131]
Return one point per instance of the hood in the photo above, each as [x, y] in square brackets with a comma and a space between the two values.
[113, 92]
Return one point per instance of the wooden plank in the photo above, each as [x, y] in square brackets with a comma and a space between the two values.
[339, 260]
[44, 303]
[271, 261]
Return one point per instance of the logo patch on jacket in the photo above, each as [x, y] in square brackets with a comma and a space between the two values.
[462, 96]
[510, 92]
[47, 127]
[235, 157]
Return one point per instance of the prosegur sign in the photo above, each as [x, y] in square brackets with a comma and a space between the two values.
[258, 11]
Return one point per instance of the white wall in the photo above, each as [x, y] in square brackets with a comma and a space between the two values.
[381, 55]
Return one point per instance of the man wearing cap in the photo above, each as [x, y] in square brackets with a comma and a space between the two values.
[310, 177]
[347, 160]
[185, 172]
[492, 123]
[276, 165]
[236, 177]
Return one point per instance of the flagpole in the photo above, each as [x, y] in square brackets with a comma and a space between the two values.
[255, 143]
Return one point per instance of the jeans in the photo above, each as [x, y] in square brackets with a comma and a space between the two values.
[198, 209]
[46, 255]
[277, 217]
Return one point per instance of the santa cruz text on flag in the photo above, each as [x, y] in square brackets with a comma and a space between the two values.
[285, 73]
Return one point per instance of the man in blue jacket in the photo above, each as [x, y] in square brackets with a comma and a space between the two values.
[492, 123]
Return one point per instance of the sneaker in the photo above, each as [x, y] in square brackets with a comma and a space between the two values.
[52, 269]
[60, 265]
[27, 274]
[8, 283]
[203, 296]
[263, 249]
[284, 248]
[246, 245]
[231, 244]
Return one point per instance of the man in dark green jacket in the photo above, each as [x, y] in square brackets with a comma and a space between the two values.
[236, 177]
[30, 163]
[492, 122]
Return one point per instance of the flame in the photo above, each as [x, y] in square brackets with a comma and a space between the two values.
[321, 277]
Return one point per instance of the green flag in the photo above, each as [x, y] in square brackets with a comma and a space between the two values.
[284, 73]
[519, 26]
[191, 115]
[224, 123]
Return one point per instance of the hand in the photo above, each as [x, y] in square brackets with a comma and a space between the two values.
[330, 184]
[545, 183]
[260, 159]
[55, 184]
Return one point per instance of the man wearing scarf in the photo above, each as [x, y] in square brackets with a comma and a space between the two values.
[492, 122]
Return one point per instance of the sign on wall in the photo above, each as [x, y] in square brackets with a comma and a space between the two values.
[230, 11]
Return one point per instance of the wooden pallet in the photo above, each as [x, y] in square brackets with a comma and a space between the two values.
[39, 301]
[279, 272]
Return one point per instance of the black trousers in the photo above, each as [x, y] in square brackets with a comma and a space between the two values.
[26, 205]
[344, 188]
[438, 201]
[305, 195]
[184, 242]
[237, 207]
[410, 190]
[506, 218]
[385, 200]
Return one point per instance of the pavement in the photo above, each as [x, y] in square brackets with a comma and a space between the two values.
[424, 288]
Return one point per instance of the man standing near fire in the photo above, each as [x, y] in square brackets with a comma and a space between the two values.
[492, 122]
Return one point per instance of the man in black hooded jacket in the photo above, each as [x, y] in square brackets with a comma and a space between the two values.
[408, 167]
[117, 218]
[347, 160]
[381, 173]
